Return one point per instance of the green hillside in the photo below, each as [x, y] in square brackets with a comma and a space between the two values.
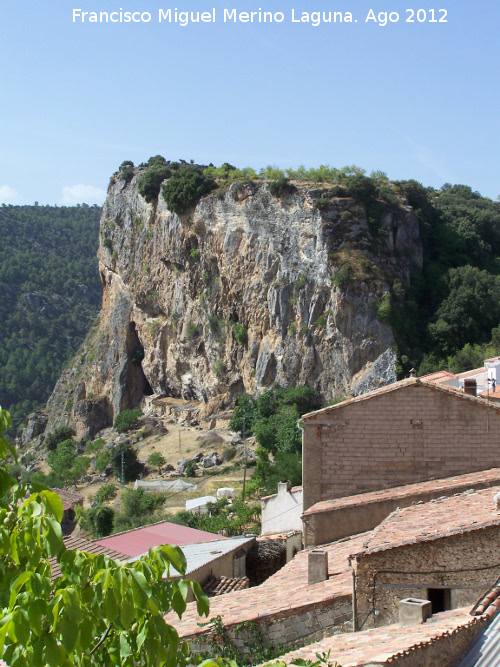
[50, 294]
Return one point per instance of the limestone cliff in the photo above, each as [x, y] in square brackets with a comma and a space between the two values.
[242, 291]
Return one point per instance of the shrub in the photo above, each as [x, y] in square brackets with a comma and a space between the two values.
[239, 333]
[103, 460]
[127, 420]
[301, 280]
[228, 454]
[192, 331]
[107, 243]
[195, 253]
[96, 446]
[127, 174]
[343, 276]
[321, 204]
[98, 520]
[190, 469]
[384, 309]
[60, 434]
[218, 368]
[185, 188]
[321, 321]
[281, 186]
[150, 182]
[106, 492]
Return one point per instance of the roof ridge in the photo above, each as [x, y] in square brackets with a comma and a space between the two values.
[407, 382]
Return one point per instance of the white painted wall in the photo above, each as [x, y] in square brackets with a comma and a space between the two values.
[282, 512]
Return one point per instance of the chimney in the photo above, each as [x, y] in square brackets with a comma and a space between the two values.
[284, 487]
[318, 566]
[413, 373]
[470, 386]
[413, 611]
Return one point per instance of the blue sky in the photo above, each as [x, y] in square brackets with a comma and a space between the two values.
[416, 100]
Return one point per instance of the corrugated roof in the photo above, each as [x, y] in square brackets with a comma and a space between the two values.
[139, 541]
[200, 554]
[485, 651]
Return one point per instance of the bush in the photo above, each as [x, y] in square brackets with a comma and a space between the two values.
[107, 243]
[239, 333]
[186, 186]
[127, 420]
[384, 309]
[103, 460]
[60, 434]
[150, 182]
[106, 492]
[218, 368]
[190, 469]
[280, 187]
[98, 520]
[94, 447]
[192, 331]
[195, 253]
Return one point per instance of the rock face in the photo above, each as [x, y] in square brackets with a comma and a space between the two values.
[239, 293]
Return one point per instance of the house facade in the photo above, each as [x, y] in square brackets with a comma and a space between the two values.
[411, 431]
[445, 551]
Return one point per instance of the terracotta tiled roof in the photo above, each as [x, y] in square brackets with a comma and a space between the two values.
[489, 604]
[221, 585]
[275, 596]
[409, 382]
[383, 646]
[74, 543]
[438, 376]
[69, 499]
[492, 395]
[464, 512]
[481, 479]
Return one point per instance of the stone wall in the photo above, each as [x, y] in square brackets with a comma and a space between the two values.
[409, 432]
[294, 627]
[463, 563]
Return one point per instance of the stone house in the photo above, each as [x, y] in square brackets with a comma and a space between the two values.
[411, 431]
[445, 551]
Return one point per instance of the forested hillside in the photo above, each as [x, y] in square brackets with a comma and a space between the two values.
[50, 294]
[450, 317]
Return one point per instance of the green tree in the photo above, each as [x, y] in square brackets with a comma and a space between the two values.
[470, 311]
[97, 611]
[126, 420]
[131, 464]
[60, 434]
[157, 460]
[150, 182]
[186, 186]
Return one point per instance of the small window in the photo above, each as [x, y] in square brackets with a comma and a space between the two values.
[440, 598]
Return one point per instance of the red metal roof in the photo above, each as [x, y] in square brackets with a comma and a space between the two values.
[138, 541]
